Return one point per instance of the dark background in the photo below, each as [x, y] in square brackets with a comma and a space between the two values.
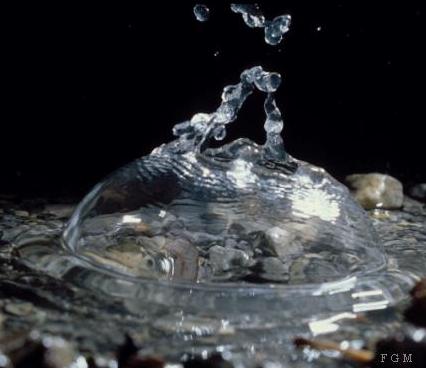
[88, 88]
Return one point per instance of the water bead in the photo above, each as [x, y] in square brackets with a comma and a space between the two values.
[253, 17]
[201, 12]
[275, 30]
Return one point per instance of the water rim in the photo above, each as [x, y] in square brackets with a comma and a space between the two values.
[349, 281]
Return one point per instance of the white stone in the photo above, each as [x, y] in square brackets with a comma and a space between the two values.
[375, 190]
[283, 242]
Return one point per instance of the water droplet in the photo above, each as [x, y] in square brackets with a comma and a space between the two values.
[201, 12]
[251, 14]
[275, 30]
[253, 17]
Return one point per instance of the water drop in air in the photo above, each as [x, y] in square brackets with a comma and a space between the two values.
[254, 18]
[251, 14]
[201, 12]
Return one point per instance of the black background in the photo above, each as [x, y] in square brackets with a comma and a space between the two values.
[88, 88]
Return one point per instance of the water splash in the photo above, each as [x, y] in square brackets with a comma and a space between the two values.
[254, 18]
[251, 14]
[197, 131]
[201, 12]
[238, 213]
[190, 236]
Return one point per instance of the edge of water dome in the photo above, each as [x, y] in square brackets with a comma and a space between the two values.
[193, 136]
[302, 288]
[330, 287]
[352, 293]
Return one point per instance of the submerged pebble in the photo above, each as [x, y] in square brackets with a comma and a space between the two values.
[283, 242]
[223, 259]
[375, 190]
[273, 269]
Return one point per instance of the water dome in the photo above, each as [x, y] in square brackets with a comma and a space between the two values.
[239, 215]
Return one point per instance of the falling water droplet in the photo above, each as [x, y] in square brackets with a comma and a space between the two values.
[251, 14]
[253, 17]
[201, 12]
[275, 30]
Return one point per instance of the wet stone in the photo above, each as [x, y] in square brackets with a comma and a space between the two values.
[413, 206]
[223, 259]
[375, 190]
[59, 210]
[33, 349]
[59, 353]
[273, 269]
[19, 309]
[283, 242]
[22, 213]
[416, 312]
[418, 191]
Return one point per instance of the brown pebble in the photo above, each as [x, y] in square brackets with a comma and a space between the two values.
[360, 356]
[416, 312]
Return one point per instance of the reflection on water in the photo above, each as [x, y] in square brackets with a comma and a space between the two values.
[251, 325]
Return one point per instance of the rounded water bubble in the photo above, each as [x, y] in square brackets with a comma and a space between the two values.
[237, 215]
